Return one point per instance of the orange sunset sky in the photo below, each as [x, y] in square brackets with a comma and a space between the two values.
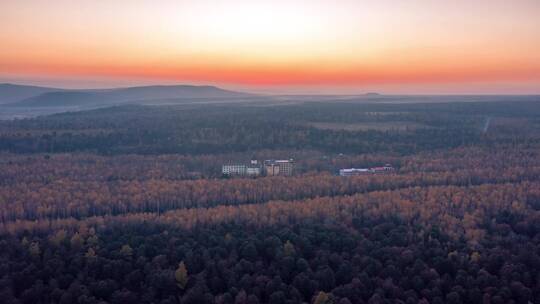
[309, 46]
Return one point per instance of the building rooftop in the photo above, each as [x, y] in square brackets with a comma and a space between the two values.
[355, 170]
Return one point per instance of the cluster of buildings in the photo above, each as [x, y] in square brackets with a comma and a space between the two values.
[361, 171]
[285, 167]
[255, 168]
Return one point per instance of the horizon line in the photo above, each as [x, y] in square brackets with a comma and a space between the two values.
[262, 93]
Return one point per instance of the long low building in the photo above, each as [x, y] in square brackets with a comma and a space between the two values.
[353, 171]
[361, 171]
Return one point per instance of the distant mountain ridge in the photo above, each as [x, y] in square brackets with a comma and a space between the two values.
[13, 92]
[102, 97]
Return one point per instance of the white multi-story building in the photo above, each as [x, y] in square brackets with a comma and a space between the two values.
[234, 169]
[279, 167]
[271, 168]
[253, 169]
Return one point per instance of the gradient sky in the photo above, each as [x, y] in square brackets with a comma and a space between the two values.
[308, 46]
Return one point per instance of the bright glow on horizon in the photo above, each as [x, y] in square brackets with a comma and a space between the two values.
[306, 45]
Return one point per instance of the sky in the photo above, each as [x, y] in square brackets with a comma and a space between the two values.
[295, 46]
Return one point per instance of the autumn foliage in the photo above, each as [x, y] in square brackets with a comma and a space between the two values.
[114, 207]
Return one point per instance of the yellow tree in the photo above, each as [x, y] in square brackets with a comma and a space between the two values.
[91, 253]
[288, 248]
[126, 251]
[181, 275]
[76, 241]
[322, 298]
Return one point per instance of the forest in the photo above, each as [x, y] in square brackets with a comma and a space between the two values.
[127, 204]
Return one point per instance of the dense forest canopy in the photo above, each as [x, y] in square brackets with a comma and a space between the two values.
[128, 205]
[239, 128]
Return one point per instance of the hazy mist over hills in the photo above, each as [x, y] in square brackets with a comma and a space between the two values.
[54, 97]
[21, 101]
[13, 92]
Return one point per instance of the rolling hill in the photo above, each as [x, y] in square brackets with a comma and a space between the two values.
[143, 94]
[10, 93]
